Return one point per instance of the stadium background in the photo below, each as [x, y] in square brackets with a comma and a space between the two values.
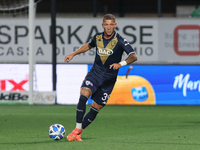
[152, 27]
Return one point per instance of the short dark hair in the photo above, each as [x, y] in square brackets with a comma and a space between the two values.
[108, 17]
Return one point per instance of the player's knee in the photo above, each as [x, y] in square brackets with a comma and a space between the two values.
[86, 91]
[96, 106]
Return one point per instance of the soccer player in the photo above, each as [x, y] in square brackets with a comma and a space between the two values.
[101, 78]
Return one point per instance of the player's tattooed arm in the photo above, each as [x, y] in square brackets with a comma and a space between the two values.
[131, 58]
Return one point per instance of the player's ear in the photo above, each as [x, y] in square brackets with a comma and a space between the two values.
[115, 25]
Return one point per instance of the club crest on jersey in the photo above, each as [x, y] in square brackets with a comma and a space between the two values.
[104, 52]
[113, 43]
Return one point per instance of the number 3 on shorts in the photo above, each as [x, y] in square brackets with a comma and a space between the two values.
[105, 97]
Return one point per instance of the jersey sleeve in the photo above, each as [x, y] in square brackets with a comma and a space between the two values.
[92, 42]
[127, 47]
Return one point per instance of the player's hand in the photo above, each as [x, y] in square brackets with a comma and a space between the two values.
[115, 66]
[68, 58]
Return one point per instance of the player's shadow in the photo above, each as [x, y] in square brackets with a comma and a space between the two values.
[39, 142]
[87, 138]
[34, 142]
[168, 143]
[193, 122]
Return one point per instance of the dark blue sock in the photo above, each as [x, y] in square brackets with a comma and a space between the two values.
[89, 117]
[81, 108]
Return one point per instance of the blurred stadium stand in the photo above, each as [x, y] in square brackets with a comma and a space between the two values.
[121, 8]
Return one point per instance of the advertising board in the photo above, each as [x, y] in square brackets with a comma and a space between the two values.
[160, 41]
[14, 83]
[71, 34]
[142, 85]
[157, 85]
[179, 41]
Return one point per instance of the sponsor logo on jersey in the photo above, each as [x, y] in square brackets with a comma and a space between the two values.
[104, 52]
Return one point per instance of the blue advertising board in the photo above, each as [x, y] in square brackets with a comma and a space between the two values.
[172, 84]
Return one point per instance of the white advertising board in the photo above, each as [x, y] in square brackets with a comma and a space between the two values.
[14, 78]
[69, 80]
[179, 40]
[142, 34]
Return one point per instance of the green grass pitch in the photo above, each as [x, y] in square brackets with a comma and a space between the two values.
[24, 127]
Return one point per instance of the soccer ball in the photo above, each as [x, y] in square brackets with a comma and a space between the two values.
[56, 131]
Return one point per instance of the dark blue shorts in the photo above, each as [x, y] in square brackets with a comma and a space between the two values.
[101, 86]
